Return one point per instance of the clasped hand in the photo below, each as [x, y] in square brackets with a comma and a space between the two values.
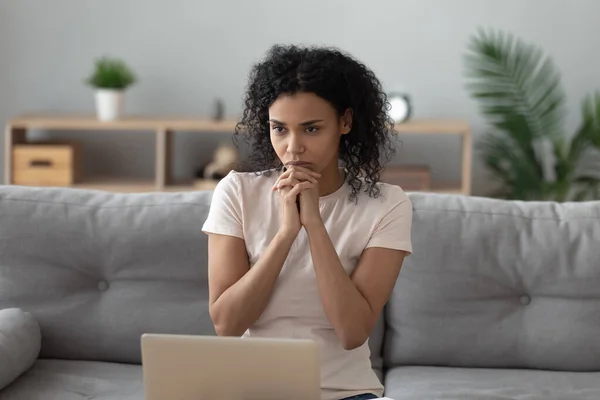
[298, 189]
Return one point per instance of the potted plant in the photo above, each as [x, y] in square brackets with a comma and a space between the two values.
[111, 77]
[519, 92]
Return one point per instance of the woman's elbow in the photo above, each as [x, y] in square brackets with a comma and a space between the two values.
[223, 325]
[225, 330]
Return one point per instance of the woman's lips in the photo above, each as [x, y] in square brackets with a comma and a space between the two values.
[297, 163]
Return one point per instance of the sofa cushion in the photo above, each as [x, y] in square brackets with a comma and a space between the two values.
[495, 283]
[20, 342]
[376, 346]
[76, 380]
[99, 269]
[417, 383]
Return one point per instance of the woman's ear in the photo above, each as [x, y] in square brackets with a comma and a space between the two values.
[346, 121]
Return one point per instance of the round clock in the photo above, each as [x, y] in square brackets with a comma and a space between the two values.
[401, 109]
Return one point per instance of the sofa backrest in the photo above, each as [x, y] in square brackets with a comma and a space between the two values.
[495, 283]
[99, 269]
[490, 283]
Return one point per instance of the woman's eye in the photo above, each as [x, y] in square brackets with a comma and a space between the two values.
[312, 129]
[278, 129]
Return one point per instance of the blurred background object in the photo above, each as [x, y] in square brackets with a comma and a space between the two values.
[193, 59]
[520, 92]
[223, 162]
[408, 177]
[111, 78]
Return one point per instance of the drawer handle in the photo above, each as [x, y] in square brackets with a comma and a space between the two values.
[40, 163]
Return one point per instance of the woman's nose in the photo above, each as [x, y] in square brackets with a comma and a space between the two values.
[295, 145]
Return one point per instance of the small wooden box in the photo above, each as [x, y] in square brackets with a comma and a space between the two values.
[46, 164]
[408, 177]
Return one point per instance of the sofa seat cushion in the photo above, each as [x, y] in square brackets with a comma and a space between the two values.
[441, 383]
[77, 380]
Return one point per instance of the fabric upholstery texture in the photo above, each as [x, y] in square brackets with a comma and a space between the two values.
[99, 269]
[20, 341]
[77, 380]
[499, 300]
[493, 283]
[442, 383]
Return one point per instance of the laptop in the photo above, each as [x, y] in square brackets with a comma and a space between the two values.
[190, 367]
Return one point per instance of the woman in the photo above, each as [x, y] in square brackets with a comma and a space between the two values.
[304, 248]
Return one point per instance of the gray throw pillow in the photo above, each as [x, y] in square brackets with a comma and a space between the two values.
[20, 343]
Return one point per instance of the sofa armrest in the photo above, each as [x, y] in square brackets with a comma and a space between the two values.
[20, 343]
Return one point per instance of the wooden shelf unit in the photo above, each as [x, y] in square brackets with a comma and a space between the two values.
[164, 129]
[450, 127]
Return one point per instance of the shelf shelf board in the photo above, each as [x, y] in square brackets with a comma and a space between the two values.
[433, 126]
[126, 123]
[150, 122]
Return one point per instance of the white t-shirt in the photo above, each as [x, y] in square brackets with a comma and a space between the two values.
[244, 205]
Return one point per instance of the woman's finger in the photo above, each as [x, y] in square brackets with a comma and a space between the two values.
[297, 168]
[288, 182]
[300, 168]
[297, 178]
[293, 178]
[299, 188]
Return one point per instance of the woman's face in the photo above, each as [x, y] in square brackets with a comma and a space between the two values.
[305, 130]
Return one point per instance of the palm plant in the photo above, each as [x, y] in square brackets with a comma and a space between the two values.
[519, 92]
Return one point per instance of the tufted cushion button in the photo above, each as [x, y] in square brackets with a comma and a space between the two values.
[525, 299]
[102, 285]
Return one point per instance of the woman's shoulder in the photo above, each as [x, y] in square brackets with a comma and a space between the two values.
[392, 192]
[388, 194]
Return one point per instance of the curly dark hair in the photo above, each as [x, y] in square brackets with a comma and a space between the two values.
[339, 79]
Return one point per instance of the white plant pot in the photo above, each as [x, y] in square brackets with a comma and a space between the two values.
[109, 104]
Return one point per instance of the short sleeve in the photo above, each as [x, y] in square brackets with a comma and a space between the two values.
[394, 229]
[225, 214]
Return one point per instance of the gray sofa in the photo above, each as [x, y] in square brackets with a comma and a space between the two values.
[500, 300]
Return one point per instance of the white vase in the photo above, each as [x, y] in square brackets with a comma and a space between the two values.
[109, 104]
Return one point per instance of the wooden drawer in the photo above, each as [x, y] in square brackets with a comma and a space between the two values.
[45, 164]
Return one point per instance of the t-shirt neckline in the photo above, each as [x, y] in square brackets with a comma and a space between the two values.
[339, 192]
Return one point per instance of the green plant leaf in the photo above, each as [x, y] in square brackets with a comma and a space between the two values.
[591, 119]
[111, 73]
[507, 74]
[519, 93]
[589, 188]
[588, 134]
[588, 179]
[517, 173]
[564, 167]
[518, 90]
[581, 195]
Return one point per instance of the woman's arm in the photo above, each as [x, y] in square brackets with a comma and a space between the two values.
[239, 294]
[353, 304]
